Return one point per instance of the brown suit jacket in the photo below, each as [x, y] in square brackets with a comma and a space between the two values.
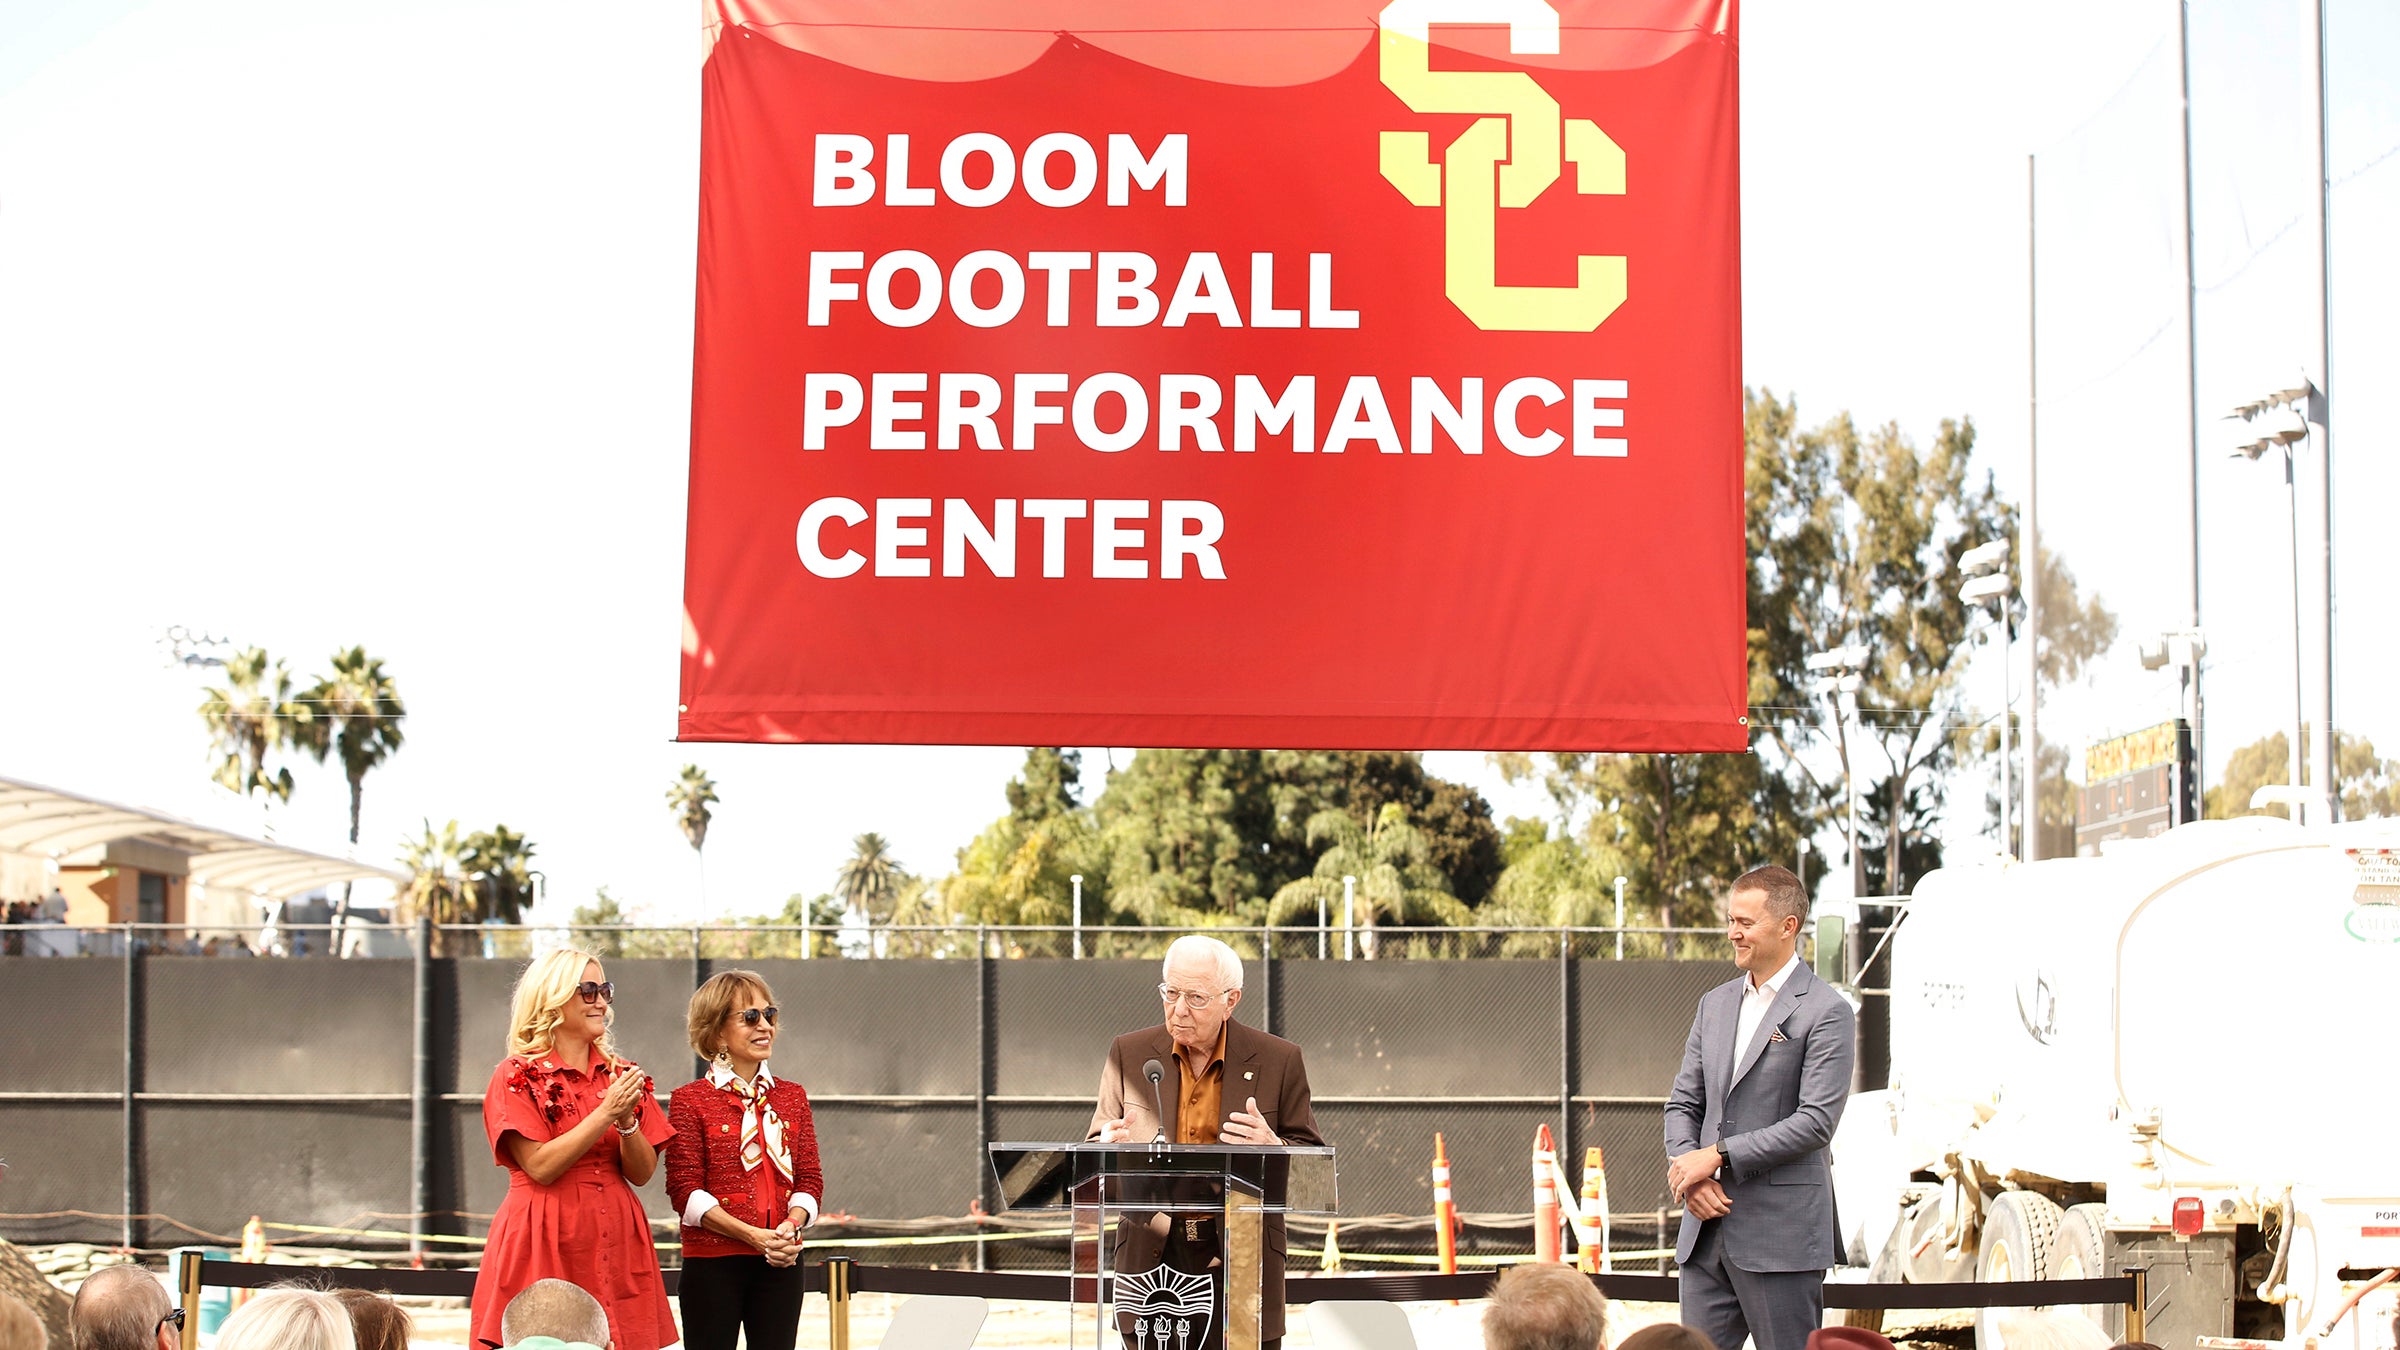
[1275, 1075]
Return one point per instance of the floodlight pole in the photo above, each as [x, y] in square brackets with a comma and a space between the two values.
[2030, 546]
[2327, 782]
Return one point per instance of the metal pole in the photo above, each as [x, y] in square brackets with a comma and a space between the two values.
[2137, 1309]
[2291, 496]
[984, 1047]
[1844, 703]
[2029, 546]
[1078, 880]
[1567, 1147]
[1320, 925]
[2191, 346]
[420, 1096]
[2328, 782]
[2004, 792]
[1349, 917]
[1620, 918]
[132, 993]
[187, 1286]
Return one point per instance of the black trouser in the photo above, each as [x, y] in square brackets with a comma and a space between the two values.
[725, 1295]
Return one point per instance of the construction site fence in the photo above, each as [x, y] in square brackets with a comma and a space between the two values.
[159, 1098]
[839, 1279]
[766, 940]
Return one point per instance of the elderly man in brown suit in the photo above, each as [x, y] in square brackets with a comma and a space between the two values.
[1225, 1083]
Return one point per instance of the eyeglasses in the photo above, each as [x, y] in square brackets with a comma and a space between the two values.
[593, 993]
[173, 1319]
[750, 1016]
[1191, 998]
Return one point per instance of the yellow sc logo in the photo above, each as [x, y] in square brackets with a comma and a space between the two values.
[1523, 140]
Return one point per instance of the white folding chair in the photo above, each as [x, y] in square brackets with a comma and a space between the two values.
[935, 1322]
[1368, 1324]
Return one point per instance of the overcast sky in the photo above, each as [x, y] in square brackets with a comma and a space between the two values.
[370, 323]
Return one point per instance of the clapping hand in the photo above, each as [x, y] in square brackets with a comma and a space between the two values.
[623, 1102]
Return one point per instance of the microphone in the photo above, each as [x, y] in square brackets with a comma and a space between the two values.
[1154, 1071]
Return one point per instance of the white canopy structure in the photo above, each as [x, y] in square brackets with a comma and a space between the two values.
[55, 824]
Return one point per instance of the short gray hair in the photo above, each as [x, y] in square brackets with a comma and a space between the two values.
[1542, 1305]
[118, 1308]
[1227, 961]
[556, 1308]
[289, 1319]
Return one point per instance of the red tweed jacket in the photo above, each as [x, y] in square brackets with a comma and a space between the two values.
[706, 1155]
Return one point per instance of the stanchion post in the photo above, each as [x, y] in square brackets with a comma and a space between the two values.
[132, 994]
[2137, 1309]
[187, 1285]
[837, 1302]
[420, 1100]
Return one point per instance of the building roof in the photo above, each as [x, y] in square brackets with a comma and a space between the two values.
[52, 822]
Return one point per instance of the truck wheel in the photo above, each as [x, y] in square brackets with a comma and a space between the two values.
[2020, 1232]
[2081, 1253]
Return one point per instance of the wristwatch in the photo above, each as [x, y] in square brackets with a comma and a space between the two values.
[1724, 1158]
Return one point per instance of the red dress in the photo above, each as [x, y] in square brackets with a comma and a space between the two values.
[587, 1227]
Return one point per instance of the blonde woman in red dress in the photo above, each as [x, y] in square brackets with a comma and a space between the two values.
[577, 1128]
[743, 1173]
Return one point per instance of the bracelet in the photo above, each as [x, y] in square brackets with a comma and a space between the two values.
[623, 1130]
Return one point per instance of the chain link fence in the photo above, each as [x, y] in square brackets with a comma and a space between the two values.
[171, 1081]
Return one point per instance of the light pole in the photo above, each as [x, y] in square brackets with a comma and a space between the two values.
[1987, 566]
[1839, 673]
[2277, 426]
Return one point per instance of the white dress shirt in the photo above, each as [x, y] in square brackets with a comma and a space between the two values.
[1756, 999]
[697, 1208]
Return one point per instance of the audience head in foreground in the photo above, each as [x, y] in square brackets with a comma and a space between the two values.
[2051, 1329]
[1545, 1306]
[122, 1308]
[555, 1310]
[376, 1322]
[1666, 1336]
[288, 1319]
[1848, 1338]
[19, 1328]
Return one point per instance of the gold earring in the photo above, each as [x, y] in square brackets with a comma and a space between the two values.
[724, 1058]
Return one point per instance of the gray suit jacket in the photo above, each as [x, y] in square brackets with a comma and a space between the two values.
[1772, 1105]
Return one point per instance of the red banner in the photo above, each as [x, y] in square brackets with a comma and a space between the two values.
[1093, 403]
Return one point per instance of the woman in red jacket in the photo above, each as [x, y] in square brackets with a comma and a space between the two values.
[743, 1174]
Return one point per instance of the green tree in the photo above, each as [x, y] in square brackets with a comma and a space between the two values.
[1395, 881]
[356, 716]
[601, 928]
[2370, 785]
[499, 861]
[1188, 836]
[1456, 821]
[251, 716]
[438, 886]
[818, 916]
[869, 881]
[693, 793]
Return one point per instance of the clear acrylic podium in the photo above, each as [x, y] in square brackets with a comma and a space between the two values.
[1169, 1239]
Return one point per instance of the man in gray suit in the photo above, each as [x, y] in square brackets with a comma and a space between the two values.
[1765, 1075]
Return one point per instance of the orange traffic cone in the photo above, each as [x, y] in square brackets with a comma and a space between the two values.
[1445, 1212]
[1545, 1196]
[1591, 1222]
[254, 1251]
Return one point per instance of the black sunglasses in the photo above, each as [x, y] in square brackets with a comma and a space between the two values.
[593, 993]
[750, 1016]
[173, 1319]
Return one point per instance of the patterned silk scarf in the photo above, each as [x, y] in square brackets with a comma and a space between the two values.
[762, 1129]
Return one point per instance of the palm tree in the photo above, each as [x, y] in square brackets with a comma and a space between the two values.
[438, 886]
[1396, 883]
[253, 716]
[356, 713]
[691, 796]
[870, 878]
[499, 861]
